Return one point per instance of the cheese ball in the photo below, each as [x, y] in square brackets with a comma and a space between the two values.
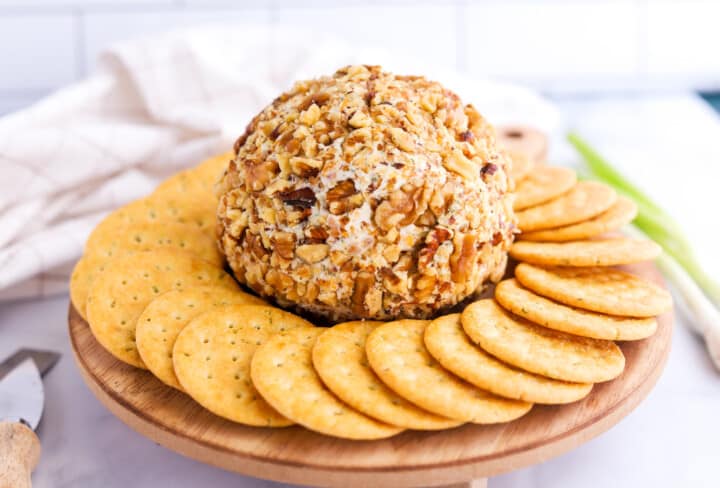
[366, 195]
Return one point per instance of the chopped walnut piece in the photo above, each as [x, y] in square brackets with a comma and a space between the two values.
[301, 197]
[284, 244]
[342, 190]
[305, 167]
[311, 115]
[312, 253]
[461, 261]
[359, 119]
[402, 139]
[363, 283]
[316, 234]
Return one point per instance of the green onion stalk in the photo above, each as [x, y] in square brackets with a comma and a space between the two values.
[698, 291]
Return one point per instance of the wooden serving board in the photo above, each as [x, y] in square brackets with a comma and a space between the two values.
[296, 455]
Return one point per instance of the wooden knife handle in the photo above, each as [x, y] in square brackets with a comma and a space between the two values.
[19, 454]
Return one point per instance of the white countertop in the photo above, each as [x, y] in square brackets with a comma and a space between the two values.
[669, 144]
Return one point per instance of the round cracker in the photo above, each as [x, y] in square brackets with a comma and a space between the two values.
[162, 320]
[129, 283]
[195, 183]
[212, 357]
[601, 252]
[535, 308]
[109, 242]
[604, 290]
[80, 285]
[521, 166]
[283, 373]
[584, 201]
[142, 236]
[158, 210]
[449, 344]
[620, 214]
[540, 350]
[543, 184]
[211, 170]
[398, 355]
[340, 360]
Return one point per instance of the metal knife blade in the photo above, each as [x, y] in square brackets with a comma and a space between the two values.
[44, 360]
[21, 394]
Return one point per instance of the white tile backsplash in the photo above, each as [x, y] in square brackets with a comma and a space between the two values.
[542, 42]
[103, 29]
[36, 52]
[423, 32]
[558, 46]
[683, 39]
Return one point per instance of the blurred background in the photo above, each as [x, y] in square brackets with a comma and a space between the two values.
[562, 48]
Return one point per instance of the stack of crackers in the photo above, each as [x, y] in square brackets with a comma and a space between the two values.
[153, 289]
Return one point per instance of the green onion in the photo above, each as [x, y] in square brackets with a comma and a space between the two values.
[698, 291]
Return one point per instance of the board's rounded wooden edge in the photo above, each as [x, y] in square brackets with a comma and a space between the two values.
[429, 474]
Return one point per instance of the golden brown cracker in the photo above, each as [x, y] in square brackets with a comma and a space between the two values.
[129, 283]
[537, 309]
[283, 373]
[600, 252]
[212, 357]
[110, 242]
[585, 200]
[621, 213]
[142, 236]
[196, 183]
[157, 210]
[521, 166]
[540, 350]
[397, 354]
[604, 290]
[447, 342]
[162, 320]
[340, 360]
[543, 184]
[80, 285]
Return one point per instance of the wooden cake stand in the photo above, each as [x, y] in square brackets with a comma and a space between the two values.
[464, 456]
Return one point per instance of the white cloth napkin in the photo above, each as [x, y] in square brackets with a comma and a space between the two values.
[157, 105]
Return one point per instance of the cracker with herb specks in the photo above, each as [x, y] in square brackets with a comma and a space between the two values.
[129, 283]
[621, 213]
[604, 290]
[340, 360]
[283, 373]
[140, 236]
[449, 344]
[585, 200]
[157, 210]
[600, 252]
[538, 349]
[398, 355]
[196, 183]
[212, 358]
[517, 299]
[162, 320]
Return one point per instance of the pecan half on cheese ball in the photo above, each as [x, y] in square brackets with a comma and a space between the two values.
[367, 195]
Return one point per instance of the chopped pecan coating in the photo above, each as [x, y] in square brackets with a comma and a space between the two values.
[301, 197]
[367, 195]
